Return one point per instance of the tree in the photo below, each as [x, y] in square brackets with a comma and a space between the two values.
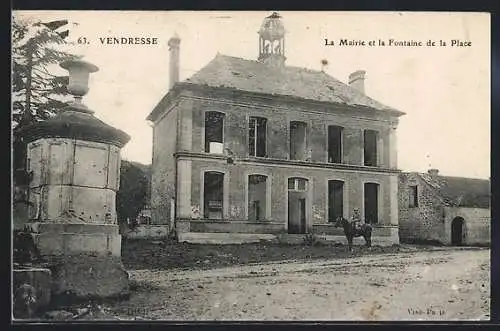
[133, 194]
[36, 92]
[35, 89]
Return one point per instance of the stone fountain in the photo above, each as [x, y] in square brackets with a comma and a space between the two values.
[74, 161]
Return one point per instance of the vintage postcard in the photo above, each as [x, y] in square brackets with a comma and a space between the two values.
[250, 166]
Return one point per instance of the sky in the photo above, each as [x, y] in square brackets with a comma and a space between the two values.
[444, 90]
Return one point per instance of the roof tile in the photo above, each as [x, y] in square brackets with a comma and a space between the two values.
[253, 76]
[460, 191]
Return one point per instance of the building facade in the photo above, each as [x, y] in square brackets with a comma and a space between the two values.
[260, 147]
[447, 210]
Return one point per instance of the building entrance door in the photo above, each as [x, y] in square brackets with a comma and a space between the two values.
[302, 215]
[457, 231]
[297, 205]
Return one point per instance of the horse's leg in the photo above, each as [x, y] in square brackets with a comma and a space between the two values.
[349, 241]
[368, 238]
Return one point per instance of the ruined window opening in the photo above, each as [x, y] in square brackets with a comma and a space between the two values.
[335, 199]
[413, 195]
[257, 193]
[213, 193]
[214, 132]
[370, 147]
[334, 144]
[297, 184]
[298, 143]
[257, 136]
[371, 203]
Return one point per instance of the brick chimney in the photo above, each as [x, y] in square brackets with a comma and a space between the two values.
[357, 80]
[173, 45]
[433, 172]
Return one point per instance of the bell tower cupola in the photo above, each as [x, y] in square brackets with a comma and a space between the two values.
[272, 40]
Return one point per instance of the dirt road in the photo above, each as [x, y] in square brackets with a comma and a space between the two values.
[448, 284]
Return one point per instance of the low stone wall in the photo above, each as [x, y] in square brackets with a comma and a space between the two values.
[217, 226]
[233, 232]
[360, 241]
[144, 231]
[327, 229]
[382, 235]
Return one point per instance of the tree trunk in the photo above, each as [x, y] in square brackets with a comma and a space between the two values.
[27, 110]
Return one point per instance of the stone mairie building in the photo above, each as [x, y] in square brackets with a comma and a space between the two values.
[256, 146]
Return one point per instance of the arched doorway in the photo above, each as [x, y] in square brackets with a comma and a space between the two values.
[457, 231]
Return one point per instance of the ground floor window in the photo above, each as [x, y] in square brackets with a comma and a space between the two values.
[213, 195]
[257, 193]
[371, 203]
[335, 200]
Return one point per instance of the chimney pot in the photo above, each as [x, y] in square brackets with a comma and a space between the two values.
[357, 80]
[174, 48]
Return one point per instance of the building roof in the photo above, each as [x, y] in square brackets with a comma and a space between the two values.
[461, 191]
[254, 76]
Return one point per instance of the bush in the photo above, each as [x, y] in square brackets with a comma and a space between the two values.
[311, 240]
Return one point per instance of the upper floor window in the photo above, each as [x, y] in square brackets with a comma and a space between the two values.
[334, 144]
[298, 142]
[214, 132]
[370, 147]
[257, 128]
[413, 195]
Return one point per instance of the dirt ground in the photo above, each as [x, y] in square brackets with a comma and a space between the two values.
[160, 255]
[395, 283]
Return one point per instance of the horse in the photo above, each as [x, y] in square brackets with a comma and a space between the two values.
[350, 231]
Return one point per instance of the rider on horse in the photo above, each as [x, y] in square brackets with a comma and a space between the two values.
[356, 220]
